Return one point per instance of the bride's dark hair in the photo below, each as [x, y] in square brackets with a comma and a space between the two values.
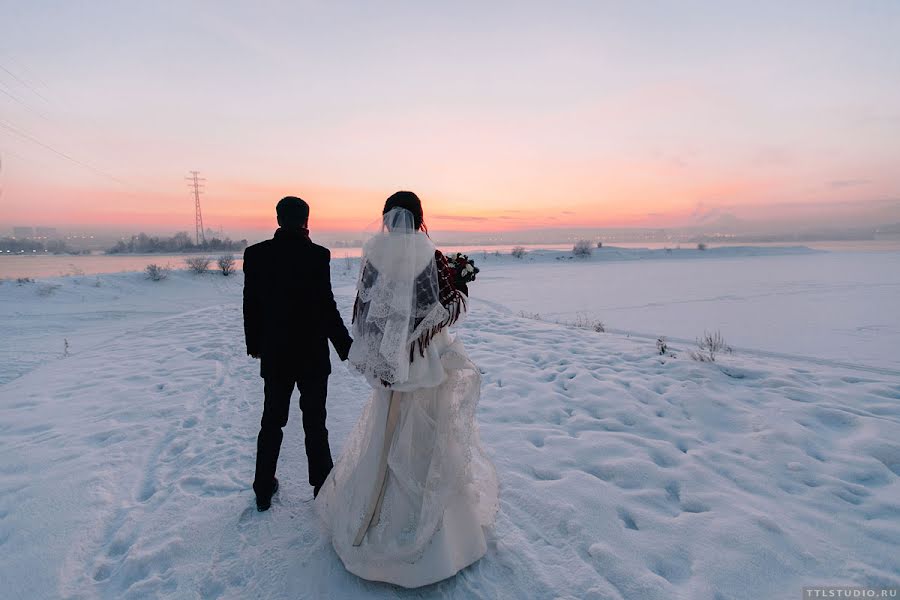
[410, 202]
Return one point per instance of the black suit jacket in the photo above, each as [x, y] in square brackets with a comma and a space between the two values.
[289, 308]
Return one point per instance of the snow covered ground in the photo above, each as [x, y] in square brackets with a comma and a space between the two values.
[125, 467]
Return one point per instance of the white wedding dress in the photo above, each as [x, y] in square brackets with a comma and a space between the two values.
[412, 492]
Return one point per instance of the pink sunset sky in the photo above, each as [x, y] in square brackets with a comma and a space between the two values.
[501, 116]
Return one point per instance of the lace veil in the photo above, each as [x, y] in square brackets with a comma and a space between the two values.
[398, 299]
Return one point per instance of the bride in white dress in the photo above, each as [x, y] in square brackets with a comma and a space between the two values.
[409, 498]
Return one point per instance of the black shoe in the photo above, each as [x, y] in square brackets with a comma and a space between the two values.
[263, 503]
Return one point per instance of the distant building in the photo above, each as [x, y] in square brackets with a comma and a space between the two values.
[888, 232]
[23, 232]
[46, 232]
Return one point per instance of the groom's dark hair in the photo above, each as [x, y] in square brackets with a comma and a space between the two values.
[292, 212]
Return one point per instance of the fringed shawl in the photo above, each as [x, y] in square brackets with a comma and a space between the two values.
[450, 298]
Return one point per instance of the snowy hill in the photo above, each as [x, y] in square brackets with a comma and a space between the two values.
[125, 467]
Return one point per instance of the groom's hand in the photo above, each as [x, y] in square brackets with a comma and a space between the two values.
[344, 351]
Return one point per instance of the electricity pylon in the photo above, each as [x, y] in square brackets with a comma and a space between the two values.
[195, 183]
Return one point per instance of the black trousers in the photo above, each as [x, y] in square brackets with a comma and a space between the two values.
[313, 391]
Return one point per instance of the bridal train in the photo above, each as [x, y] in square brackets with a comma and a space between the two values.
[437, 494]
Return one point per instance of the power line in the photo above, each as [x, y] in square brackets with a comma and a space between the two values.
[71, 159]
[26, 136]
[25, 83]
[23, 103]
[26, 70]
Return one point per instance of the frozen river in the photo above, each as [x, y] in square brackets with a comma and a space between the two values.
[837, 306]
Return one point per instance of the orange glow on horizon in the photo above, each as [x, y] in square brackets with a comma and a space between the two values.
[575, 196]
[334, 209]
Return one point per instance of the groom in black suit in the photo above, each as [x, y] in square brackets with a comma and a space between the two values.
[289, 317]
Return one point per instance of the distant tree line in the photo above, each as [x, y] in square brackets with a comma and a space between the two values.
[14, 245]
[180, 242]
